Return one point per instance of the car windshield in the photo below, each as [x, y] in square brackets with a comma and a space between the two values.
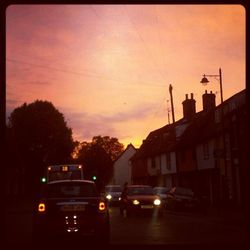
[113, 189]
[161, 190]
[183, 191]
[80, 190]
[141, 191]
[69, 175]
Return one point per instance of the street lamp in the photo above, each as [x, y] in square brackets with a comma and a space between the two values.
[205, 81]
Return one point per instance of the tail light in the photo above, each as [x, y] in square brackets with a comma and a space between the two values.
[41, 207]
[102, 206]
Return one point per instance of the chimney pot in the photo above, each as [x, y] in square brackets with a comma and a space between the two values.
[189, 109]
[192, 96]
[208, 101]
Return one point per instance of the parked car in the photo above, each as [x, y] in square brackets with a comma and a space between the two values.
[139, 199]
[162, 192]
[71, 207]
[113, 194]
[180, 198]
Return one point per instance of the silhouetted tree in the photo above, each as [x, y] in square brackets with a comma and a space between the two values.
[110, 144]
[97, 163]
[39, 136]
[97, 158]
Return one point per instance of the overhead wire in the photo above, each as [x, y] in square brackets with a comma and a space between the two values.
[160, 38]
[152, 59]
[78, 73]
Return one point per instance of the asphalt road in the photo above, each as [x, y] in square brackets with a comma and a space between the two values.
[175, 228]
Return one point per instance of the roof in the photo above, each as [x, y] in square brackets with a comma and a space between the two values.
[201, 127]
[159, 141]
[125, 150]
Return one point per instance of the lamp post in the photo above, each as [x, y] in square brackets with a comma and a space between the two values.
[204, 81]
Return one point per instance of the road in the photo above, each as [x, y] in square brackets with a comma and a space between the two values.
[173, 228]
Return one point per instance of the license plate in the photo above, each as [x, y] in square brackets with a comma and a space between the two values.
[147, 206]
[73, 207]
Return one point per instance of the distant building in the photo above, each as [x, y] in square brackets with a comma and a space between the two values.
[122, 166]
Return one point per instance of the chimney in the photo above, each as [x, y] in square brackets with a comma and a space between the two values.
[189, 109]
[208, 101]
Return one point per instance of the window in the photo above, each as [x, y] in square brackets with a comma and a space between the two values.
[71, 190]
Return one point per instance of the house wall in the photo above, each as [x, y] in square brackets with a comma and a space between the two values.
[187, 160]
[139, 171]
[167, 168]
[122, 167]
[168, 181]
[205, 160]
[154, 165]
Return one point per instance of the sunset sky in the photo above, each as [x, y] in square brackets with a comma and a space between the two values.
[107, 68]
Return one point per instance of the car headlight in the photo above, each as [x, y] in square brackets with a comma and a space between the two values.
[157, 202]
[136, 202]
[109, 197]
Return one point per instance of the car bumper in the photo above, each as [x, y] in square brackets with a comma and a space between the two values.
[143, 209]
[83, 226]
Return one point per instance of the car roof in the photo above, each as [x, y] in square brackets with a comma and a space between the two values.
[70, 181]
[138, 186]
[113, 186]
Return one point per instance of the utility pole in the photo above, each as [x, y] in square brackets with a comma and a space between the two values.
[168, 109]
[171, 99]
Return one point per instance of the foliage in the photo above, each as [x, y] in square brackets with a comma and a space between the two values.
[98, 156]
[39, 136]
[110, 144]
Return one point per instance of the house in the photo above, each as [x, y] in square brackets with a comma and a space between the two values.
[155, 162]
[196, 160]
[205, 151]
[122, 166]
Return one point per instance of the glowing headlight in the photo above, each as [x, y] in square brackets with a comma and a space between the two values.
[136, 202]
[109, 197]
[157, 202]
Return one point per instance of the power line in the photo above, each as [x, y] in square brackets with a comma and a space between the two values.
[79, 73]
[141, 38]
[159, 35]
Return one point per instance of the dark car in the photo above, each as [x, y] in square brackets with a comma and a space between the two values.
[113, 194]
[71, 208]
[180, 198]
[139, 199]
